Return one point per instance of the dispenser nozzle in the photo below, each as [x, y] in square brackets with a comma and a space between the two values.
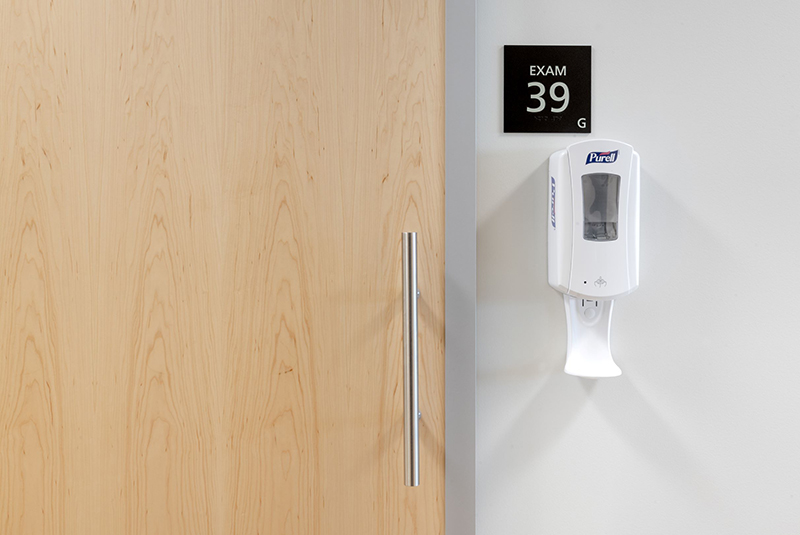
[589, 338]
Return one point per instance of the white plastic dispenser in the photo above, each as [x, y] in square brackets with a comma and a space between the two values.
[593, 245]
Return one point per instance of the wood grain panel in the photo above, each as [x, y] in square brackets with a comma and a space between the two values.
[200, 249]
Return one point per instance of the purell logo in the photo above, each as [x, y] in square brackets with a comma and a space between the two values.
[553, 201]
[602, 157]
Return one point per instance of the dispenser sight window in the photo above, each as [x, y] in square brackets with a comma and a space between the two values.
[600, 206]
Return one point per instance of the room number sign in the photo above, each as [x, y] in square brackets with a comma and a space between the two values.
[547, 89]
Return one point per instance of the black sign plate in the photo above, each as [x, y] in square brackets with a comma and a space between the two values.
[547, 89]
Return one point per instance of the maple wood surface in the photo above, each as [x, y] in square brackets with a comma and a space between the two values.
[201, 206]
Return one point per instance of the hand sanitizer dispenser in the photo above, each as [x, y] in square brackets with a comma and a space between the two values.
[593, 245]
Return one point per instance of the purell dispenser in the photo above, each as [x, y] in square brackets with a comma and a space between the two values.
[593, 245]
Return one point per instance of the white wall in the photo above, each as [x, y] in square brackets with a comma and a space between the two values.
[701, 434]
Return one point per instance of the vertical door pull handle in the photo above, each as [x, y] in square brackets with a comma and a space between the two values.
[411, 412]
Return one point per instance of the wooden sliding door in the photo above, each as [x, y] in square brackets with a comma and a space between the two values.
[201, 207]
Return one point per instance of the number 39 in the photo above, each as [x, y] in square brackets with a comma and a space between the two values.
[564, 97]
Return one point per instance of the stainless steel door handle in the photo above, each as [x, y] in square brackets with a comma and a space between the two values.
[411, 412]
